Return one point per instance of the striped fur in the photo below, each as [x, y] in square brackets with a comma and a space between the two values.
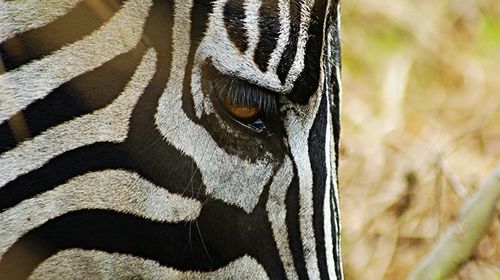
[116, 163]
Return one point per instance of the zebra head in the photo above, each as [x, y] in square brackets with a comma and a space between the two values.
[213, 155]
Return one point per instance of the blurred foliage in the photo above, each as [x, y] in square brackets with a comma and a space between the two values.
[420, 129]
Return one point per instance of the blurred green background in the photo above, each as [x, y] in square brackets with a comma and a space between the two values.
[420, 129]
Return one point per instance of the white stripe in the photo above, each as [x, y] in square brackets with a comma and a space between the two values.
[107, 124]
[336, 198]
[35, 80]
[298, 129]
[92, 264]
[300, 152]
[252, 26]
[276, 209]
[20, 16]
[117, 190]
[298, 63]
[327, 203]
[337, 222]
[331, 179]
[284, 15]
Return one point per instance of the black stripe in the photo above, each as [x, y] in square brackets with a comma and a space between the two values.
[200, 13]
[234, 16]
[7, 139]
[331, 60]
[231, 235]
[60, 169]
[154, 159]
[255, 230]
[269, 26]
[36, 43]
[291, 47]
[171, 245]
[307, 83]
[316, 144]
[149, 157]
[334, 210]
[293, 225]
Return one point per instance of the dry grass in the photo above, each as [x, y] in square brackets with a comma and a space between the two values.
[421, 128]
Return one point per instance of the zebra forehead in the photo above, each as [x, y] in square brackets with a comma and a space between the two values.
[267, 42]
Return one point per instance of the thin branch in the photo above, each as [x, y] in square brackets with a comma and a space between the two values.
[458, 242]
[455, 183]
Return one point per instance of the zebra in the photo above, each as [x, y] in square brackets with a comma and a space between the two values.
[169, 139]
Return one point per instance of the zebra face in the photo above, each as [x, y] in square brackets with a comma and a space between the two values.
[193, 138]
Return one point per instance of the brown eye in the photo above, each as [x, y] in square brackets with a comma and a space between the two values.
[241, 104]
[240, 112]
[249, 116]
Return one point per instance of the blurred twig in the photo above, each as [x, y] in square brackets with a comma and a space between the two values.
[455, 183]
[457, 243]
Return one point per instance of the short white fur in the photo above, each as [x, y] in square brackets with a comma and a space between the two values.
[92, 264]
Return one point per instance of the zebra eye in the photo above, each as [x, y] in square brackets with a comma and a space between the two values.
[249, 106]
[246, 115]
[240, 112]
[240, 103]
